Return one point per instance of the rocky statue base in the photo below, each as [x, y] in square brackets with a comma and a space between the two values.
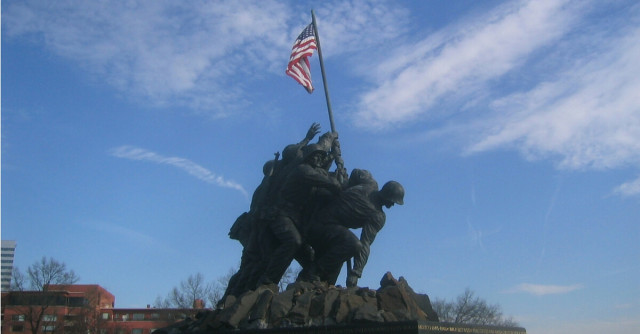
[317, 308]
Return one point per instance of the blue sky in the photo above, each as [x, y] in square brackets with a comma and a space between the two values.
[134, 133]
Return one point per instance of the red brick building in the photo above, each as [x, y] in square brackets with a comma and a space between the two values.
[79, 309]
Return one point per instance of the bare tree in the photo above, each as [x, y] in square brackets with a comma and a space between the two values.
[186, 293]
[41, 276]
[195, 287]
[189, 291]
[468, 309]
[18, 280]
[49, 272]
[85, 317]
[219, 286]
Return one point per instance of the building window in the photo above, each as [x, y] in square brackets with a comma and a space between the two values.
[48, 328]
[155, 316]
[136, 331]
[77, 301]
[138, 316]
[17, 328]
[125, 317]
[17, 317]
[105, 316]
[103, 331]
[49, 317]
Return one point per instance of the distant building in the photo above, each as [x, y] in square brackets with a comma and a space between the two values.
[83, 309]
[8, 253]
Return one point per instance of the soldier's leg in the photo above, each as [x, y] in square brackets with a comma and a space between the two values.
[289, 241]
[267, 244]
[342, 245]
[316, 241]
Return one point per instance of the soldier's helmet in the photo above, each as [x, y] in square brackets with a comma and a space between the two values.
[309, 150]
[393, 191]
[290, 153]
[361, 176]
[267, 168]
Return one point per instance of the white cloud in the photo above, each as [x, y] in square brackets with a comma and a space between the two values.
[457, 60]
[541, 290]
[589, 116]
[163, 51]
[135, 153]
[191, 53]
[630, 188]
[346, 26]
[550, 79]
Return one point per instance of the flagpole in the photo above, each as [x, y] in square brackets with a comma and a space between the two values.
[326, 94]
[324, 79]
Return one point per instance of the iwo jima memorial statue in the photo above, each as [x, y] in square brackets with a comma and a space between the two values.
[303, 211]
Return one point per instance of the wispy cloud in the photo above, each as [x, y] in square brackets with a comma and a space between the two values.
[162, 51]
[191, 53]
[630, 188]
[458, 61]
[353, 26]
[135, 153]
[485, 75]
[590, 116]
[552, 80]
[477, 236]
[541, 290]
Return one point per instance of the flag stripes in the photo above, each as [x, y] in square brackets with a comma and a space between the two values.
[303, 48]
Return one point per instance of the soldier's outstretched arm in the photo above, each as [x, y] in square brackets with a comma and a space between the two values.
[367, 236]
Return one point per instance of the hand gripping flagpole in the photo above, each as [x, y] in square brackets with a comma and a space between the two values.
[324, 79]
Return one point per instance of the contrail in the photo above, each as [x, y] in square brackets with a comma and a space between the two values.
[136, 153]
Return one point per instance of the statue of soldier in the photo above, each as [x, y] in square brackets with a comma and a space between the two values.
[265, 192]
[305, 186]
[248, 226]
[359, 206]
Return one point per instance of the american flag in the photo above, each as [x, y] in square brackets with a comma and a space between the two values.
[298, 67]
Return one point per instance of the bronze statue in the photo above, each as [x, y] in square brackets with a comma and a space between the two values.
[301, 210]
[359, 206]
[249, 227]
[304, 188]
